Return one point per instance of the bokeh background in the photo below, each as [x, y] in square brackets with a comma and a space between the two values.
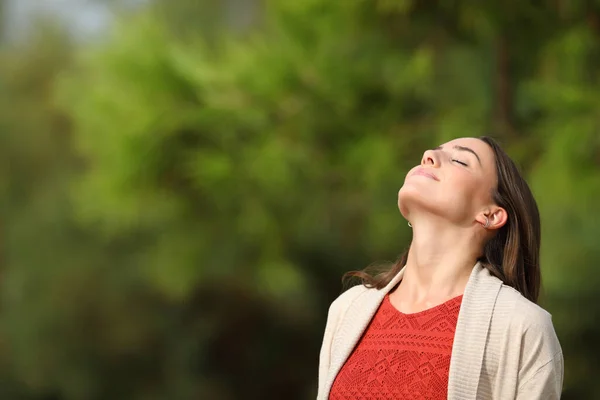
[183, 182]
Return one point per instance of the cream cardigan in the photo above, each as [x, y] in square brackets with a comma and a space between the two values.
[504, 346]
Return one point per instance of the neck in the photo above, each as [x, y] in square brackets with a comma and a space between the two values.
[440, 261]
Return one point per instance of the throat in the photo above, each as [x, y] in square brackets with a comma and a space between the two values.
[414, 307]
[421, 289]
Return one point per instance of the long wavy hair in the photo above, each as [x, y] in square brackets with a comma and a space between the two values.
[512, 254]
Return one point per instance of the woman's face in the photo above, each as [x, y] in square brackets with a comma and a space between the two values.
[454, 180]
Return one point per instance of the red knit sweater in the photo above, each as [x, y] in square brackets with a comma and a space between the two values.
[401, 356]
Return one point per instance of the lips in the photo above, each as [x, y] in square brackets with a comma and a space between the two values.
[425, 173]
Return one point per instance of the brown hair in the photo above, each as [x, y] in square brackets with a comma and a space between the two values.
[513, 254]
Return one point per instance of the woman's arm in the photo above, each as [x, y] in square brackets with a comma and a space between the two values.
[545, 383]
[325, 354]
[337, 310]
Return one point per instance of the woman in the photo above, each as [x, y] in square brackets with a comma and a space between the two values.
[456, 316]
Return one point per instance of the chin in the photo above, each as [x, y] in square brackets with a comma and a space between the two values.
[404, 199]
[410, 198]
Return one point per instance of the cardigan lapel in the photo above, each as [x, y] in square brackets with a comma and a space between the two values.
[353, 325]
[471, 333]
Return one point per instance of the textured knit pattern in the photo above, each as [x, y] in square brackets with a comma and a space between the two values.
[505, 347]
[401, 355]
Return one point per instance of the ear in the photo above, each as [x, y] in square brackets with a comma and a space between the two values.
[497, 218]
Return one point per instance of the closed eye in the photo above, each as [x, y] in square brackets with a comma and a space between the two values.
[460, 162]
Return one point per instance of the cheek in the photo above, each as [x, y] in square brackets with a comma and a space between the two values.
[476, 192]
[466, 187]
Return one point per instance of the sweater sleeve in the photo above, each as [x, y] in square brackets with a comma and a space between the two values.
[336, 312]
[325, 354]
[546, 383]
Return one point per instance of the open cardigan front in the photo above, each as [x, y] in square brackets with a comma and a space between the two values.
[505, 346]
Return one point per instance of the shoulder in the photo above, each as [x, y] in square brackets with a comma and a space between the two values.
[523, 313]
[346, 299]
[339, 309]
[528, 325]
[510, 310]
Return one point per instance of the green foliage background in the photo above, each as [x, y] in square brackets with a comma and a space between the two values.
[181, 198]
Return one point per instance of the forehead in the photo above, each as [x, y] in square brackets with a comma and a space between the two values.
[483, 150]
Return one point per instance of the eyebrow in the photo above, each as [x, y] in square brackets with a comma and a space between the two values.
[463, 148]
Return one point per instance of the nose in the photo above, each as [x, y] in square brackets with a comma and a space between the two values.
[430, 159]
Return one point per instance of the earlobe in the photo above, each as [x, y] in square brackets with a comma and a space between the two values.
[493, 219]
[483, 220]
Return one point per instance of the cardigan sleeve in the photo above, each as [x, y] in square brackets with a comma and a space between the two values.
[336, 312]
[546, 383]
[325, 354]
[541, 366]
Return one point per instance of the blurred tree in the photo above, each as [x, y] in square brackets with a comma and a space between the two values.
[2, 19]
[31, 156]
[568, 176]
[71, 314]
[210, 18]
[215, 154]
